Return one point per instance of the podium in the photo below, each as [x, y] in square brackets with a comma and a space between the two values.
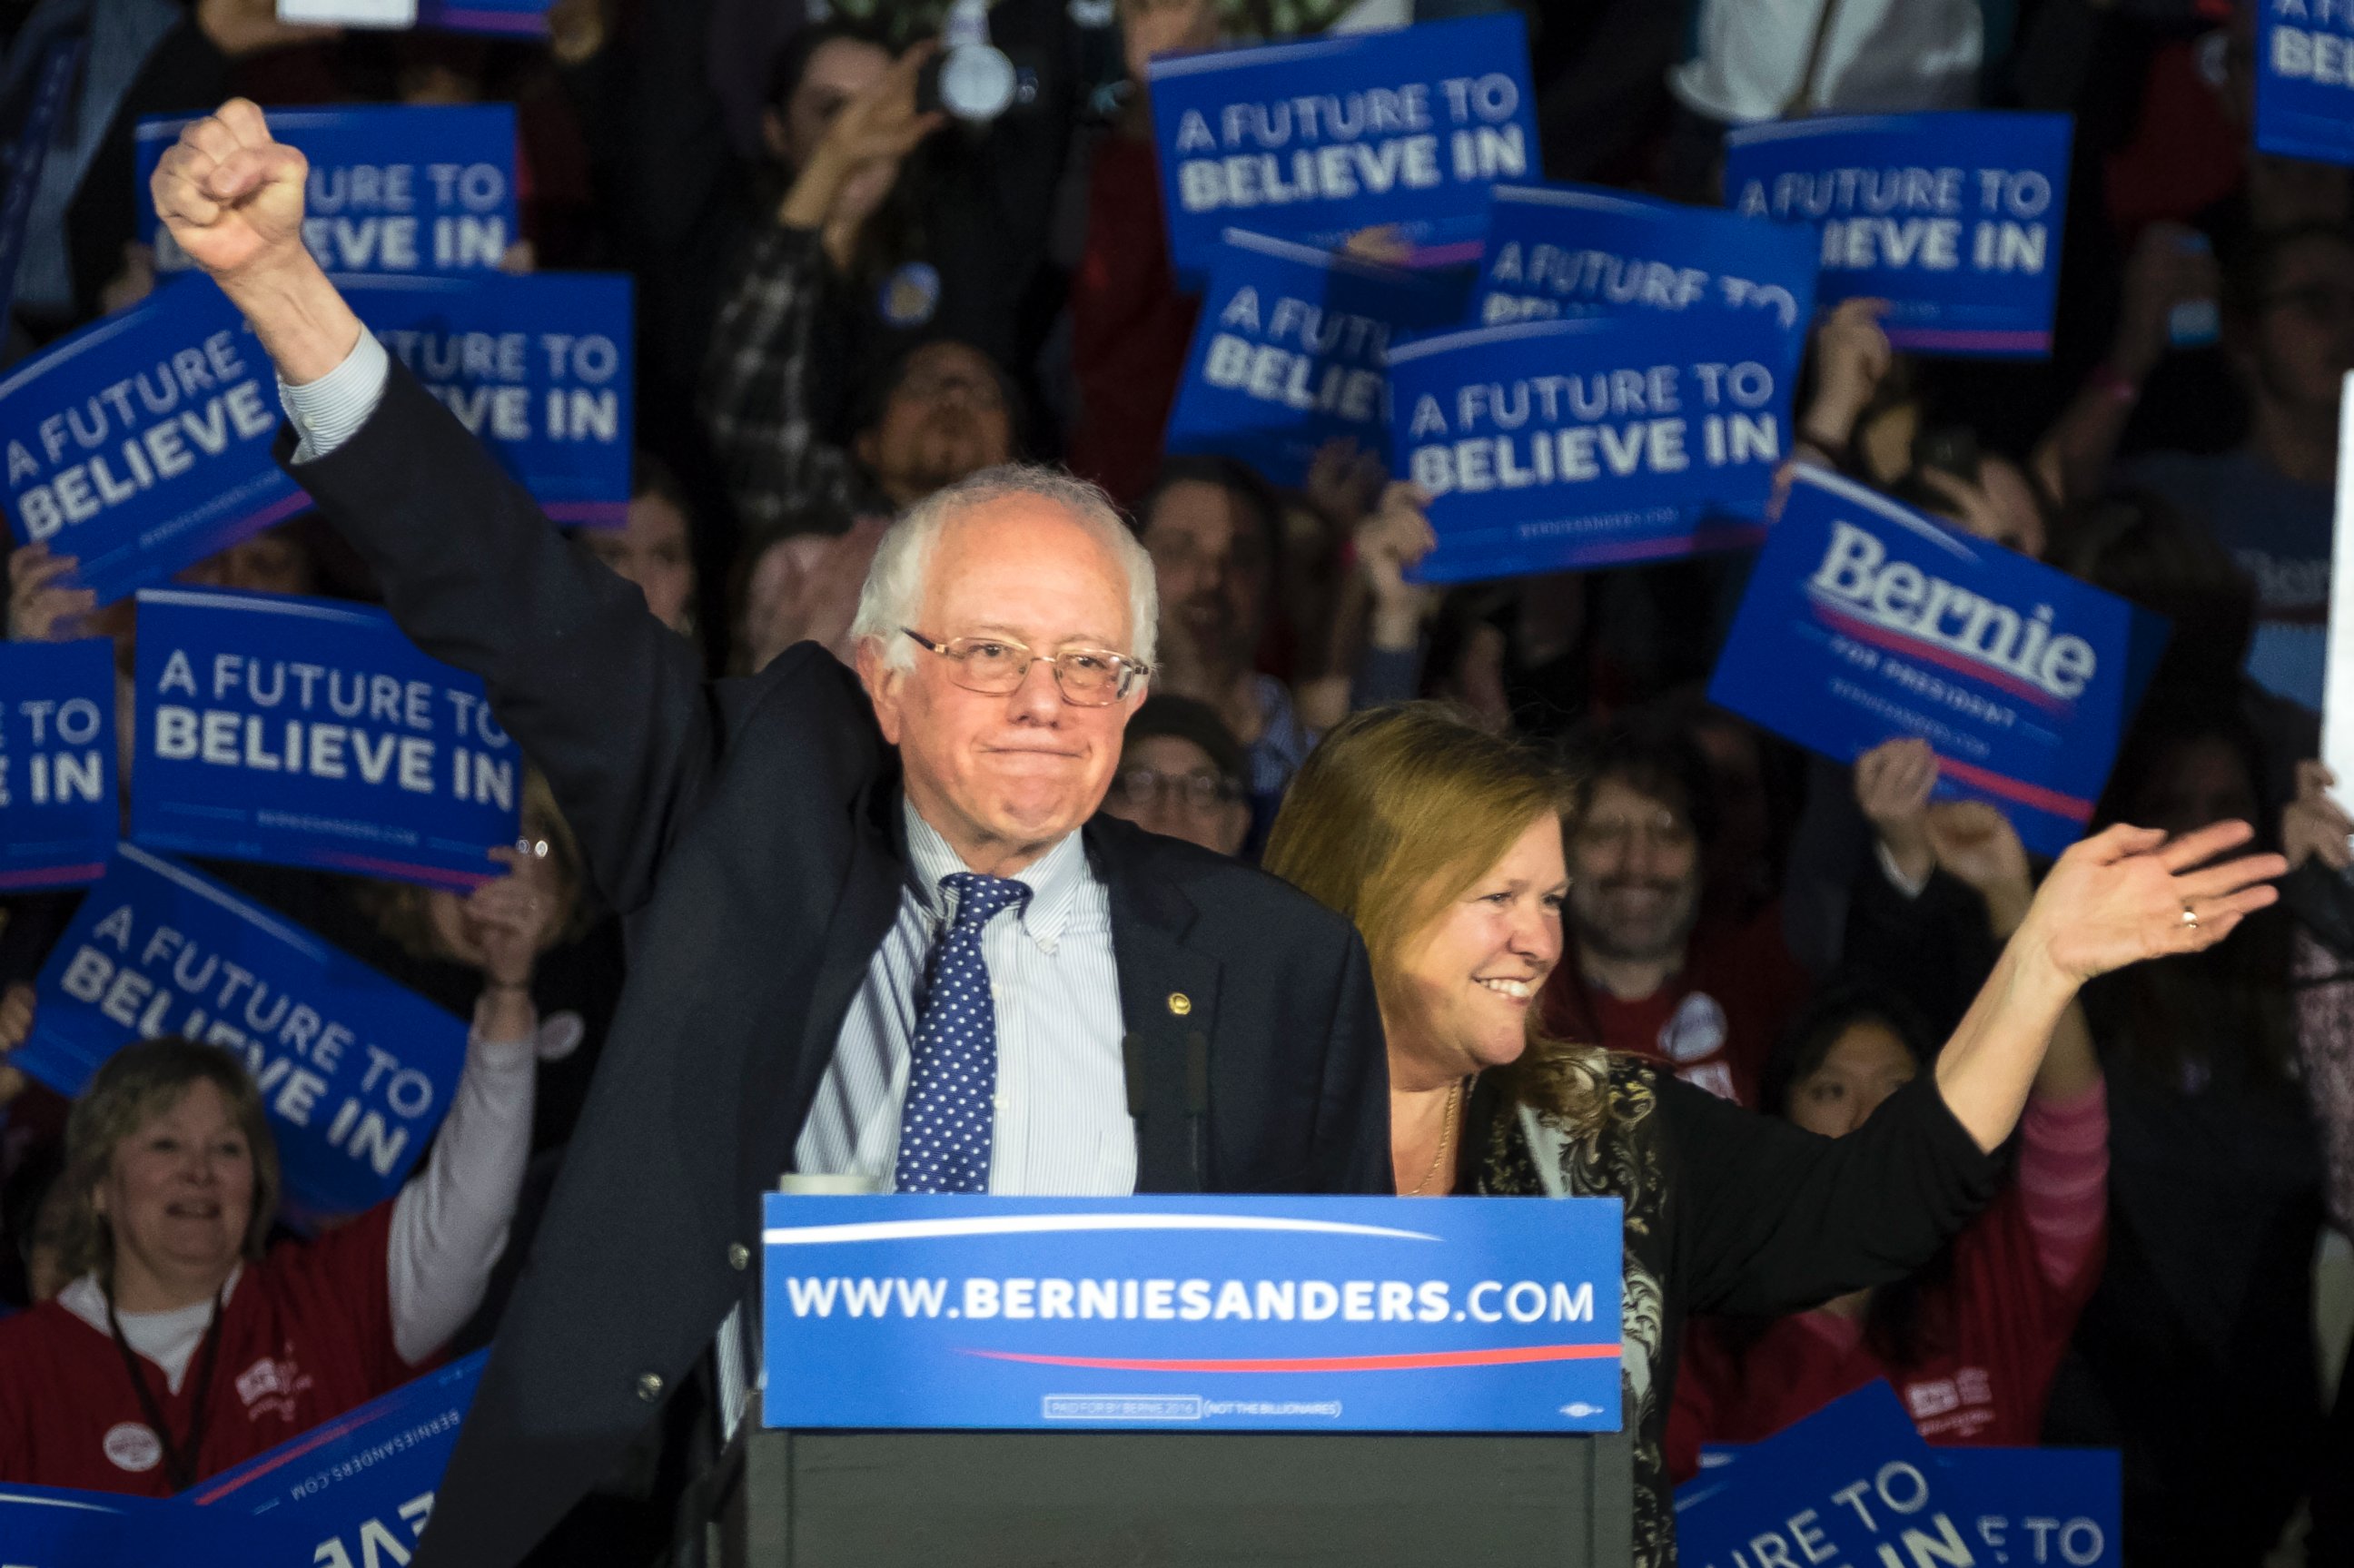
[785, 1498]
[1175, 1379]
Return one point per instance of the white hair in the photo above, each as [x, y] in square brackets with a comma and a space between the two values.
[893, 595]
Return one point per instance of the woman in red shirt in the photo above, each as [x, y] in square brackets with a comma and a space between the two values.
[1971, 1341]
[183, 1346]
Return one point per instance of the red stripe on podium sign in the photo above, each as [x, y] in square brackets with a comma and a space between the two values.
[1513, 1355]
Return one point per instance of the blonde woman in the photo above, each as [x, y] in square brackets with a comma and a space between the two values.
[1443, 844]
[184, 1343]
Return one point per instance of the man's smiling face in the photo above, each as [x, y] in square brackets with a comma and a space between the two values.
[1014, 772]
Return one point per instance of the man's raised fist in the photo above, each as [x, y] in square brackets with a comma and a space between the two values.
[231, 196]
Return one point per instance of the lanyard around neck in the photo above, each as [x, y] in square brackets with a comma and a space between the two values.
[179, 1462]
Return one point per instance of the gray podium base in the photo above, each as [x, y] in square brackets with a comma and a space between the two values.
[1145, 1499]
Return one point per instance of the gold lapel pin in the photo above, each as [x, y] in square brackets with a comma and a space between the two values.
[1180, 1003]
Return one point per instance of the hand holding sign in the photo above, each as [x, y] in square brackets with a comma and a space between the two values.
[1892, 782]
[15, 1024]
[43, 603]
[1852, 356]
[2313, 826]
[2128, 893]
[1390, 544]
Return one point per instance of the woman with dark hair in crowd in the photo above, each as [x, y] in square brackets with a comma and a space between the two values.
[187, 1342]
[1969, 1341]
[2196, 1355]
[1444, 845]
[655, 545]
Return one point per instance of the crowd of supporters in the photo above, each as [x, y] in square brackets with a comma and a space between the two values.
[846, 300]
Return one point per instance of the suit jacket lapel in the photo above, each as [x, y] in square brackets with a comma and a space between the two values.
[1169, 1003]
[779, 1103]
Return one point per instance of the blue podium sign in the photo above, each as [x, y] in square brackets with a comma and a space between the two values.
[538, 368]
[1291, 351]
[1865, 621]
[1193, 1313]
[1590, 441]
[354, 1071]
[142, 443]
[58, 807]
[1954, 218]
[309, 732]
[1315, 140]
[393, 187]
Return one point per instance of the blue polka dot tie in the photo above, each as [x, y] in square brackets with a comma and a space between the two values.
[944, 1127]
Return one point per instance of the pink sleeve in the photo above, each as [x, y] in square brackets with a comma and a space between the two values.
[2063, 1182]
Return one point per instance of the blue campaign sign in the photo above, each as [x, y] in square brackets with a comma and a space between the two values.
[1193, 1313]
[51, 1527]
[142, 443]
[1865, 620]
[1291, 351]
[392, 188]
[354, 1071]
[1846, 1483]
[538, 366]
[1590, 441]
[2305, 69]
[507, 18]
[1315, 140]
[2030, 1505]
[2042, 1505]
[1579, 250]
[57, 809]
[1954, 219]
[353, 1493]
[309, 732]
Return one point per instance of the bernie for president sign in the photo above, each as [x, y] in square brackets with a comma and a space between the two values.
[1865, 621]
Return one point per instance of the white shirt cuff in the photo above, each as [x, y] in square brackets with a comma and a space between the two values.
[327, 412]
[1909, 886]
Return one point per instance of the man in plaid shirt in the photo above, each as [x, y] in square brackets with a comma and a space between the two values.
[942, 410]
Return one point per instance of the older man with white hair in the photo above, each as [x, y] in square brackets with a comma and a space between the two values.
[877, 933]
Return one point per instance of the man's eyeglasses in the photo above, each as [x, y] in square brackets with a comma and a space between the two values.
[1142, 788]
[1087, 677]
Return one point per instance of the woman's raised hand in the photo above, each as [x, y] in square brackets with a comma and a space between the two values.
[2128, 893]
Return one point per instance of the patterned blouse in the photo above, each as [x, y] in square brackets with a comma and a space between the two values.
[1727, 1212]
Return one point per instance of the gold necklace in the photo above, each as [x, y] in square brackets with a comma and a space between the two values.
[1446, 1136]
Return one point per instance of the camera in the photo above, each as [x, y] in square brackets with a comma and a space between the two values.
[970, 78]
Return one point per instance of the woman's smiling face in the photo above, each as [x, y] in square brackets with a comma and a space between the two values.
[1465, 984]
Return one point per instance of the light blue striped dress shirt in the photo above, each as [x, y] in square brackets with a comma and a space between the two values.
[1062, 1126]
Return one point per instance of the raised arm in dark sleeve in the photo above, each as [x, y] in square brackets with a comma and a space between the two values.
[606, 701]
[1775, 1219]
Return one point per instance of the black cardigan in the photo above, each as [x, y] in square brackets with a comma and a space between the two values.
[1732, 1212]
